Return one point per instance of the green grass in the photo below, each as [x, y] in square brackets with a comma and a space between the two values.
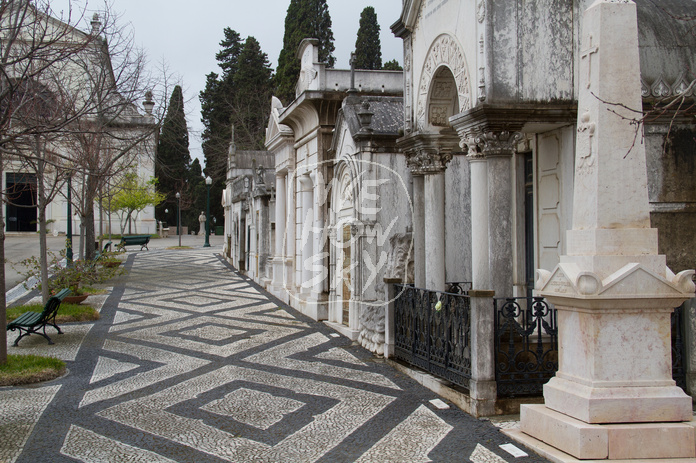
[67, 313]
[28, 369]
[179, 247]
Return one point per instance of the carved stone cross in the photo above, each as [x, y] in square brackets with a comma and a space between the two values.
[588, 54]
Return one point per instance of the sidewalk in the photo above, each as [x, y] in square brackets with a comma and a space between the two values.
[192, 362]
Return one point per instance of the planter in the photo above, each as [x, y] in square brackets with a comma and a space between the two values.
[75, 299]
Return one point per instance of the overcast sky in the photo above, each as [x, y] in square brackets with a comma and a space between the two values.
[186, 35]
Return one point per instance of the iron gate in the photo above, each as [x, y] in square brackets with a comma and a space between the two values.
[526, 345]
[432, 331]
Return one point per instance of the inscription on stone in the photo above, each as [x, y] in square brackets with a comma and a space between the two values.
[433, 6]
[559, 285]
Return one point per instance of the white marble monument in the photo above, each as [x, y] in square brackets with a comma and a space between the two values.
[613, 396]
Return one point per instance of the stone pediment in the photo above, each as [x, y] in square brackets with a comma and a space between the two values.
[568, 285]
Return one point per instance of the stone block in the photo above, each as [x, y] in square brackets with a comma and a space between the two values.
[582, 440]
[627, 441]
[651, 440]
[617, 404]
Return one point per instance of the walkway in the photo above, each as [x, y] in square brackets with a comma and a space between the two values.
[191, 362]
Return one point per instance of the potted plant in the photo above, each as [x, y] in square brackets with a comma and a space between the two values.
[109, 260]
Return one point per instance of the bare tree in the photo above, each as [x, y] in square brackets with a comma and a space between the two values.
[32, 43]
[67, 106]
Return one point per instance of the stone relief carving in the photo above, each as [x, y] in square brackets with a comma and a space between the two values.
[400, 258]
[482, 72]
[445, 51]
[586, 160]
[371, 335]
[481, 11]
[493, 143]
[425, 161]
[660, 88]
[408, 105]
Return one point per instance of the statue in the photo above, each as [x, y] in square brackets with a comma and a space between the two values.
[201, 220]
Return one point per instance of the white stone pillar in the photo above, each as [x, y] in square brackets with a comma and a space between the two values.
[419, 231]
[434, 201]
[480, 264]
[500, 215]
[289, 277]
[306, 238]
[319, 273]
[280, 221]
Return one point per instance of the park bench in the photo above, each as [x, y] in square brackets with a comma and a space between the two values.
[32, 322]
[135, 240]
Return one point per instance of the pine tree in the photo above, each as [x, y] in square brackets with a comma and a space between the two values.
[392, 65]
[304, 19]
[368, 50]
[173, 157]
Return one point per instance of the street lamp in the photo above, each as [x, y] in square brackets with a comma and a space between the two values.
[178, 216]
[68, 240]
[208, 182]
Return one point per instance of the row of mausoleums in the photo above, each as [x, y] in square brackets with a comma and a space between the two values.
[454, 176]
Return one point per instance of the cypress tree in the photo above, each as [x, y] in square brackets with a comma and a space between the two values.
[304, 19]
[240, 96]
[368, 50]
[173, 157]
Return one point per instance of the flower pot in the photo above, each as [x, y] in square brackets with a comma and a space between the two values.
[75, 299]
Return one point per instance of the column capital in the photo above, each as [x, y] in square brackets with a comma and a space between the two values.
[428, 153]
[490, 143]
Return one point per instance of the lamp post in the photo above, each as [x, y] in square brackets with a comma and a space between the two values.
[178, 216]
[68, 240]
[208, 182]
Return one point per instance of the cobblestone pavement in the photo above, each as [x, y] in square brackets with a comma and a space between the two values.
[190, 362]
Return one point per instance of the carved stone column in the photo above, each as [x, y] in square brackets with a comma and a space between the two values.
[306, 193]
[280, 220]
[499, 148]
[429, 162]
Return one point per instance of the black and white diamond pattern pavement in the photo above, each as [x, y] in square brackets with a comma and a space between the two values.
[191, 362]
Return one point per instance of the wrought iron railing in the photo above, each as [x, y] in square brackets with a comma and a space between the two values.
[433, 331]
[458, 287]
[526, 345]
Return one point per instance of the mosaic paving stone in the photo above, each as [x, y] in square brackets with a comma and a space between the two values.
[192, 362]
[90, 447]
[259, 409]
[20, 409]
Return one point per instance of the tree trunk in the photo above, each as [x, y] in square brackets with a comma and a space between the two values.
[41, 200]
[3, 306]
[91, 188]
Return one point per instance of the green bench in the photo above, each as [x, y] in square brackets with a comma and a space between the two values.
[135, 240]
[32, 322]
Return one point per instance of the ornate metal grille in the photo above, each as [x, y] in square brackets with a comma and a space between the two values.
[678, 360]
[432, 332]
[526, 345]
